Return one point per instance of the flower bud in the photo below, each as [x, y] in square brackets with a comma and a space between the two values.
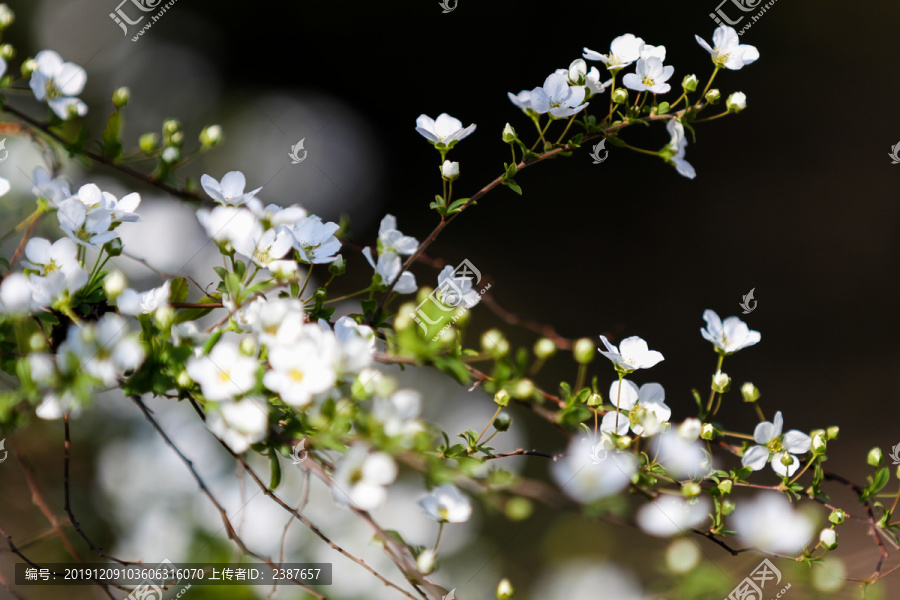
[7, 16]
[708, 432]
[7, 52]
[165, 316]
[690, 429]
[837, 516]
[148, 143]
[725, 486]
[595, 400]
[583, 351]
[177, 139]
[426, 561]
[171, 155]
[875, 457]
[450, 170]
[121, 96]
[502, 397]
[721, 382]
[728, 507]
[828, 538]
[509, 134]
[171, 126]
[502, 422]
[248, 346]
[544, 348]
[211, 136]
[114, 284]
[284, 270]
[577, 71]
[28, 67]
[749, 392]
[524, 389]
[736, 102]
[787, 459]
[818, 444]
[690, 489]
[184, 380]
[505, 590]
[713, 96]
[624, 442]
[832, 432]
[37, 342]
[494, 343]
[690, 83]
[114, 247]
[620, 96]
[338, 266]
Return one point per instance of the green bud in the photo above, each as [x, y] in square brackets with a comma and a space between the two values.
[749, 392]
[544, 348]
[494, 343]
[171, 126]
[114, 284]
[28, 67]
[114, 247]
[620, 96]
[505, 590]
[248, 346]
[875, 457]
[832, 432]
[690, 83]
[165, 317]
[518, 508]
[725, 486]
[502, 422]
[121, 96]
[837, 516]
[177, 138]
[691, 490]
[509, 134]
[211, 136]
[787, 460]
[338, 266]
[7, 16]
[37, 343]
[149, 142]
[708, 432]
[595, 400]
[7, 52]
[502, 397]
[818, 444]
[524, 389]
[583, 351]
[728, 507]
[184, 380]
[713, 96]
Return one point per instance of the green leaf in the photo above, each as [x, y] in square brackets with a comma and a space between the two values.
[513, 186]
[511, 170]
[178, 290]
[274, 470]
[112, 145]
[663, 108]
[615, 141]
[456, 206]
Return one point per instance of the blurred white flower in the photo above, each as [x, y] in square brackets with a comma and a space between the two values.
[58, 83]
[272, 215]
[672, 515]
[61, 255]
[15, 294]
[54, 190]
[585, 480]
[392, 239]
[224, 373]
[678, 143]
[105, 350]
[355, 345]
[303, 369]
[388, 268]
[580, 579]
[131, 302]
[224, 224]
[682, 458]
[768, 523]
[230, 190]
[522, 100]
[446, 504]
[730, 336]
[399, 413]
[239, 424]
[277, 322]
[360, 478]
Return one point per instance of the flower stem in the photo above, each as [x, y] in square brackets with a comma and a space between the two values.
[712, 118]
[712, 396]
[618, 397]
[636, 149]
[542, 134]
[579, 380]
[305, 282]
[483, 431]
[566, 130]
[437, 543]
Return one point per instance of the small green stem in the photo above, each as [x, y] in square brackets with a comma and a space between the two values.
[437, 543]
[636, 149]
[541, 138]
[305, 282]
[618, 398]
[579, 380]
[339, 298]
[566, 130]
[483, 431]
[712, 396]
[709, 83]
[712, 118]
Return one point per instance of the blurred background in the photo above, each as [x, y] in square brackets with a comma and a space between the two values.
[795, 198]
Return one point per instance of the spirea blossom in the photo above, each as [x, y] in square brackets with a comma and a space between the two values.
[781, 448]
[224, 373]
[360, 478]
[634, 354]
[58, 83]
[230, 190]
[769, 524]
[729, 336]
[446, 504]
[445, 131]
[557, 97]
[623, 51]
[727, 50]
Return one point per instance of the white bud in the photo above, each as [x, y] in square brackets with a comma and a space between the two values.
[170, 155]
[690, 430]
[818, 443]
[577, 71]
[426, 561]
[6, 16]
[828, 537]
[114, 284]
[707, 432]
[736, 102]
[450, 170]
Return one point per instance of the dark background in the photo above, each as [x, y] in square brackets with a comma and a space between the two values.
[795, 197]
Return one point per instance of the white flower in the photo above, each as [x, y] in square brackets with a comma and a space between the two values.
[264, 246]
[224, 224]
[392, 239]
[768, 523]
[88, 227]
[646, 407]
[444, 131]
[672, 515]
[55, 406]
[593, 84]
[356, 343]
[121, 211]
[557, 97]
[15, 294]
[61, 255]
[360, 478]
[46, 290]
[58, 83]
[399, 413]
[131, 302]
[446, 504]
[230, 190]
[104, 351]
[728, 51]
[522, 100]
[278, 322]
[648, 51]
[624, 50]
[457, 290]
[682, 458]
[272, 215]
[284, 270]
[634, 354]
[768, 435]
[223, 373]
[45, 186]
[388, 268]
[690, 429]
[585, 480]
[303, 369]
[315, 240]
[650, 76]
[450, 170]
[239, 424]
[730, 336]
[678, 145]
[4, 186]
